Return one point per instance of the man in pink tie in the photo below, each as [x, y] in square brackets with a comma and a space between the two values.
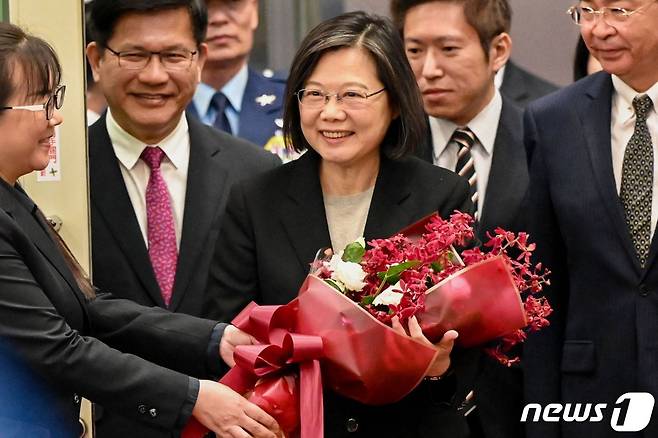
[158, 180]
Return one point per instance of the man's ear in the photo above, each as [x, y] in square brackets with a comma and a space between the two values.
[254, 17]
[201, 59]
[94, 58]
[500, 50]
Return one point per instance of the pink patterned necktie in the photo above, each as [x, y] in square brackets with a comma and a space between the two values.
[161, 233]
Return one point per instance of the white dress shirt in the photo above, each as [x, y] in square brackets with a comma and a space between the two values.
[136, 172]
[500, 75]
[485, 127]
[622, 125]
[234, 92]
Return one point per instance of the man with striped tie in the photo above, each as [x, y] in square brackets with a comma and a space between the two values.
[455, 50]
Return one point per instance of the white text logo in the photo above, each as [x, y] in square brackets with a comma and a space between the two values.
[631, 412]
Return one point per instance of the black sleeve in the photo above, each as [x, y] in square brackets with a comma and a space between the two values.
[174, 340]
[71, 362]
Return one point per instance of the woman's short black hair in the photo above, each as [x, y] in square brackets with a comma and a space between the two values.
[36, 58]
[106, 13]
[377, 36]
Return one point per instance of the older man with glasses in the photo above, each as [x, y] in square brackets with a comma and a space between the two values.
[159, 180]
[593, 205]
[233, 96]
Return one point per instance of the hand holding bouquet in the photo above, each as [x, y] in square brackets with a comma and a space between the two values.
[343, 332]
[419, 272]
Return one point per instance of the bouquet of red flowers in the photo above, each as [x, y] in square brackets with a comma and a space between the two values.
[412, 272]
[344, 342]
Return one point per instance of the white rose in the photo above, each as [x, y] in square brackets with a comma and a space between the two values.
[348, 273]
[389, 296]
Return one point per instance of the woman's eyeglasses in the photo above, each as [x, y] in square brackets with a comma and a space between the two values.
[56, 100]
[313, 98]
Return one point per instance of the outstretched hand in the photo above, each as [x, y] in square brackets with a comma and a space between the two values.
[444, 346]
[233, 337]
[229, 415]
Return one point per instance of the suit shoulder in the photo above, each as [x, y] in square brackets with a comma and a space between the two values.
[533, 82]
[428, 174]
[263, 84]
[242, 153]
[565, 97]
[97, 130]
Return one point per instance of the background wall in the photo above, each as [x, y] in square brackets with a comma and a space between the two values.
[543, 35]
[544, 38]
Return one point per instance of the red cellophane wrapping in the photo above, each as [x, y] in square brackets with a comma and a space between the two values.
[325, 339]
[360, 358]
[481, 302]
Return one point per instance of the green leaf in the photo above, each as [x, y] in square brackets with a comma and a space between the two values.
[368, 299]
[353, 252]
[333, 284]
[392, 276]
[437, 267]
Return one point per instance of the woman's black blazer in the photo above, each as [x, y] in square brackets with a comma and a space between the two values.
[274, 225]
[67, 339]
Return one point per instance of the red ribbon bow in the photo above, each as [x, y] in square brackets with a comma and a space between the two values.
[280, 349]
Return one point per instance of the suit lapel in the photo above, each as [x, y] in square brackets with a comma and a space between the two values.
[386, 217]
[513, 85]
[206, 180]
[594, 113]
[110, 199]
[26, 217]
[508, 177]
[304, 218]
[653, 252]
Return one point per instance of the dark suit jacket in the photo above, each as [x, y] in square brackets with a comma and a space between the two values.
[522, 86]
[273, 228]
[498, 391]
[121, 264]
[52, 327]
[508, 178]
[257, 121]
[602, 340]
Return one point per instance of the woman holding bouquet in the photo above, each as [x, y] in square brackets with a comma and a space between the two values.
[354, 108]
[50, 317]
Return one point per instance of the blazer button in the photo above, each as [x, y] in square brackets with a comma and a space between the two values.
[153, 412]
[76, 399]
[644, 290]
[141, 409]
[352, 425]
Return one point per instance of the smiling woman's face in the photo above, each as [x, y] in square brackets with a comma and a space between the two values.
[26, 135]
[340, 135]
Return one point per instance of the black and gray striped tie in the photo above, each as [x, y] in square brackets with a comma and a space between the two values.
[637, 180]
[465, 140]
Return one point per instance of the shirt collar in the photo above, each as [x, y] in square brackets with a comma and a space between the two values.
[624, 95]
[484, 126]
[500, 75]
[128, 148]
[233, 90]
